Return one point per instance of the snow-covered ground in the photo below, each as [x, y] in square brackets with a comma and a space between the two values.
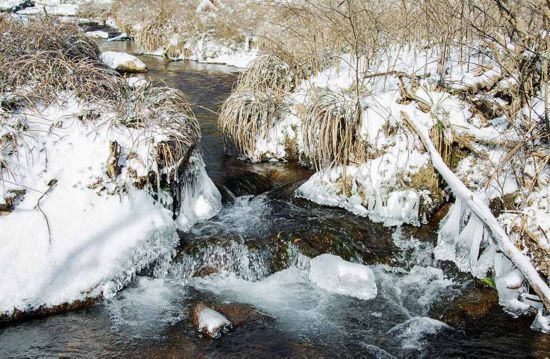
[396, 182]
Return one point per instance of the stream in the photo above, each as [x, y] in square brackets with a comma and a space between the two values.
[253, 256]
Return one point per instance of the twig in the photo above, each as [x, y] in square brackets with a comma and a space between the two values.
[51, 186]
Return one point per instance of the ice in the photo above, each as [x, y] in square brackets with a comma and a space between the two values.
[542, 322]
[200, 197]
[122, 61]
[336, 275]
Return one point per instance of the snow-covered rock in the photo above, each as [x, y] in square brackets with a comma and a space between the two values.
[336, 275]
[209, 322]
[98, 34]
[122, 61]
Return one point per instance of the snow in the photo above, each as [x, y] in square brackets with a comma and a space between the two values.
[116, 236]
[336, 275]
[212, 322]
[122, 61]
[54, 10]
[11, 5]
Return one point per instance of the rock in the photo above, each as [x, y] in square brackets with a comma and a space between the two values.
[472, 305]
[122, 62]
[209, 322]
[10, 200]
[240, 314]
[98, 34]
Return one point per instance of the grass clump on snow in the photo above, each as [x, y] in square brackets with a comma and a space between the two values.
[42, 57]
[43, 62]
[257, 104]
[330, 130]
[246, 116]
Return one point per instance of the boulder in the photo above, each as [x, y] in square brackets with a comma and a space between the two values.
[122, 62]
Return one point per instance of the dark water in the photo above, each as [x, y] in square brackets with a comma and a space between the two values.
[259, 238]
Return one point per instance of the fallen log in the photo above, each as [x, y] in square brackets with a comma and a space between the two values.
[482, 211]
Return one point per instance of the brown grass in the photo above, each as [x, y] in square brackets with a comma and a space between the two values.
[247, 115]
[330, 130]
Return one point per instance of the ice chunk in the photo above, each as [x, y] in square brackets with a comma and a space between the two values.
[336, 275]
[122, 61]
[542, 322]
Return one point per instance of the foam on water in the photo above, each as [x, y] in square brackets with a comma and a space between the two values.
[147, 307]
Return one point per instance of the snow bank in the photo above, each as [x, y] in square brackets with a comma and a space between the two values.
[63, 241]
[336, 275]
[122, 61]
[77, 231]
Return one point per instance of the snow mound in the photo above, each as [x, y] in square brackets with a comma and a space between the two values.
[336, 275]
[122, 61]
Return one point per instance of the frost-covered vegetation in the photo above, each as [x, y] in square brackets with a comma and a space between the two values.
[361, 90]
[96, 171]
[202, 30]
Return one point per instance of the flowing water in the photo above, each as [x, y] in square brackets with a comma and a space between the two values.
[254, 254]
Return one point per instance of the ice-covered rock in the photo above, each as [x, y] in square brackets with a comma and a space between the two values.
[209, 322]
[336, 275]
[122, 61]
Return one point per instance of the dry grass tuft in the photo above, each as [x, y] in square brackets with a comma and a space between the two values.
[268, 73]
[18, 38]
[247, 115]
[42, 58]
[331, 130]
[163, 113]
